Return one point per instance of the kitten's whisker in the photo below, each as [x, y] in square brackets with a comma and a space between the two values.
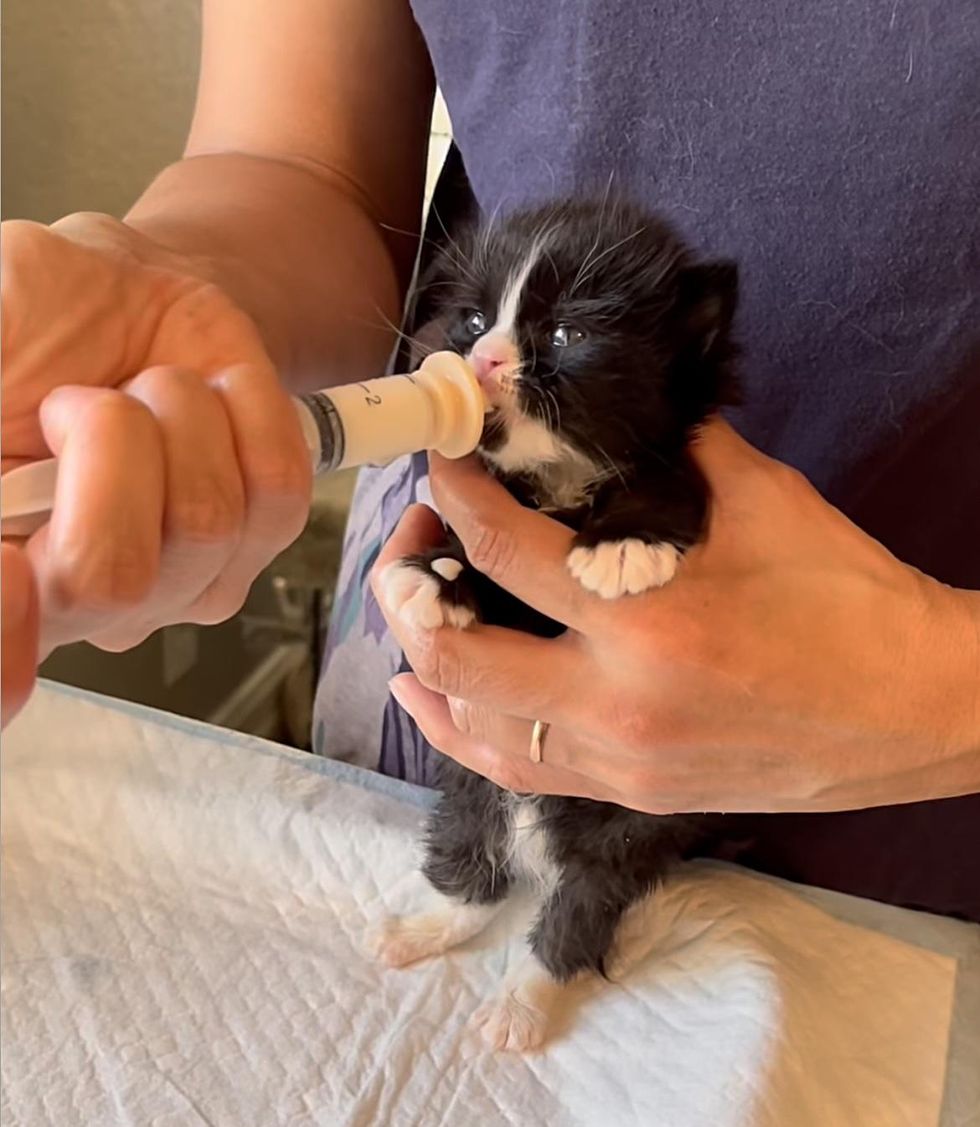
[484, 245]
[461, 260]
[401, 231]
[387, 323]
[541, 407]
[423, 240]
[614, 470]
[554, 399]
[554, 268]
[598, 235]
[553, 418]
[581, 279]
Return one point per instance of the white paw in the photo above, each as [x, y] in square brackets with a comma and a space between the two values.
[622, 961]
[509, 1025]
[623, 567]
[402, 940]
[448, 568]
[415, 596]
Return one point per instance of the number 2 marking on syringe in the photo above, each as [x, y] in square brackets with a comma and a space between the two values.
[371, 398]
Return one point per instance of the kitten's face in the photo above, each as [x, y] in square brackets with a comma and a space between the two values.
[593, 335]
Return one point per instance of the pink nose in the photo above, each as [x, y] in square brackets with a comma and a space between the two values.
[487, 358]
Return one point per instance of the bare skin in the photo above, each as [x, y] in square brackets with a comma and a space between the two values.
[792, 664]
[154, 355]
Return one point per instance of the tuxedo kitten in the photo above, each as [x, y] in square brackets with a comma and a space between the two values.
[601, 345]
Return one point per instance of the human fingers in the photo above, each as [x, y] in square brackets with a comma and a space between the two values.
[98, 557]
[204, 501]
[522, 550]
[276, 470]
[537, 678]
[19, 630]
[418, 530]
[490, 749]
[723, 454]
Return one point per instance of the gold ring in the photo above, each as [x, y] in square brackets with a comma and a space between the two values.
[538, 735]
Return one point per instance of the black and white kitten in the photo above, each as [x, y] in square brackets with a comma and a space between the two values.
[601, 345]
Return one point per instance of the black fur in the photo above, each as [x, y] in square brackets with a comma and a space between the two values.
[655, 360]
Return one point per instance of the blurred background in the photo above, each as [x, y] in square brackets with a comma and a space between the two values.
[97, 98]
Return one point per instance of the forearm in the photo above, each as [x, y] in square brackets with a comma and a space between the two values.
[953, 666]
[296, 249]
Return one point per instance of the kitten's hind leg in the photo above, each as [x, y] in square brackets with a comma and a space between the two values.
[573, 936]
[402, 940]
[641, 929]
[516, 1020]
[463, 844]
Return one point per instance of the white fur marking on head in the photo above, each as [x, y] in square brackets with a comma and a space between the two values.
[502, 333]
[510, 302]
[623, 567]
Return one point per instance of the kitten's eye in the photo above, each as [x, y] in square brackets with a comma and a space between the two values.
[476, 323]
[564, 336]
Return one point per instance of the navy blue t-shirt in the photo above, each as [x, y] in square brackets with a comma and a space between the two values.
[833, 149]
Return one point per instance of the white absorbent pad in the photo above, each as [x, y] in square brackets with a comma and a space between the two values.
[183, 921]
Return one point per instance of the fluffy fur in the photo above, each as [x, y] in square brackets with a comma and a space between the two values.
[602, 345]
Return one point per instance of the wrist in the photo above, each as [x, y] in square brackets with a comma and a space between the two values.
[950, 660]
[121, 238]
[294, 248]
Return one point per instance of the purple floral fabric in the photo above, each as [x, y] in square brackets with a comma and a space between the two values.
[357, 720]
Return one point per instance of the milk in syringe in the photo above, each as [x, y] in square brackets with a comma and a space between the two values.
[437, 407]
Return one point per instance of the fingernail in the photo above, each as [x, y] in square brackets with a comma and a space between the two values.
[395, 689]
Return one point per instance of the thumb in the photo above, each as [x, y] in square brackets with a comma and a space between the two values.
[723, 454]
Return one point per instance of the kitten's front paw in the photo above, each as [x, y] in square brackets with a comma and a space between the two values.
[623, 567]
[508, 1024]
[426, 595]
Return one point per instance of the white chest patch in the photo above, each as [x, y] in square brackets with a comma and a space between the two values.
[529, 443]
[565, 476]
[528, 850]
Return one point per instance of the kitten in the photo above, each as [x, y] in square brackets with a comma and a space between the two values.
[601, 345]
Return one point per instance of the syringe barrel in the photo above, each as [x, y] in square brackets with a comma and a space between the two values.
[438, 407]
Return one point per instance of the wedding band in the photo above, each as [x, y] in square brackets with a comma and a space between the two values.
[538, 734]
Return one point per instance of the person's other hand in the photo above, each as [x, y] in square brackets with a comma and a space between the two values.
[19, 629]
[792, 664]
[183, 470]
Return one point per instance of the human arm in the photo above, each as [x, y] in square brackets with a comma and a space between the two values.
[265, 252]
[792, 664]
[303, 176]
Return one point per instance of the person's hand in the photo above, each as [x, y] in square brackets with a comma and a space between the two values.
[792, 664]
[183, 470]
[19, 629]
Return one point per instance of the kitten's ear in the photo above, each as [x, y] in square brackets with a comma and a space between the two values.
[709, 295]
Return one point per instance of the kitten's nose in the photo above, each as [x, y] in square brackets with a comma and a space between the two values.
[485, 366]
[488, 357]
